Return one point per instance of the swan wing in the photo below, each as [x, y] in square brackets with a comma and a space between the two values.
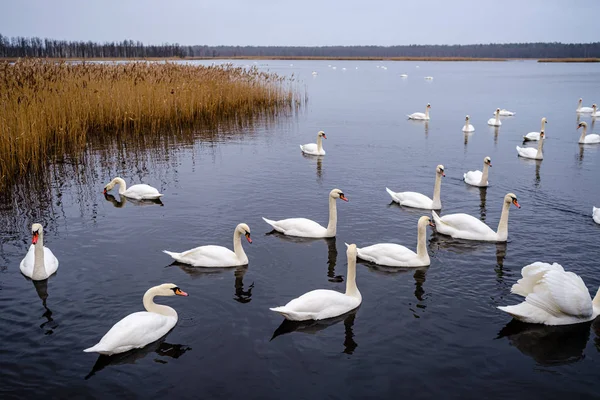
[309, 148]
[208, 256]
[302, 227]
[531, 275]
[389, 254]
[318, 304]
[412, 199]
[26, 265]
[527, 152]
[463, 223]
[592, 138]
[142, 191]
[50, 261]
[134, 331]
[417, 115]
[596, 214]
[559, 293]
[532, 136]
[473, 177]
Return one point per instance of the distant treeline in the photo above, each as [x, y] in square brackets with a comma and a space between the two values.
[37, 47]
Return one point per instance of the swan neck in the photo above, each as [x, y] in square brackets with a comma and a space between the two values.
[436, 191]
[497, 117]
[151, 306]
[426, 112]
[332, 225]
[422, 241]
[351, 288]
[539, 149]
[122, 185]
[484, 176]
[583, 133]
[238, 249]
[503, 224]
[39, 269]
[319, 143]
[543, 125]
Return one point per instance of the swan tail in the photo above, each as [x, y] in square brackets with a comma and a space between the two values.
[301, 148]
[292, 315]
[525, 312]
[96, 348]
[394, 197]
[465, 176]
[436, 218]
[270, 222]
[172, 254]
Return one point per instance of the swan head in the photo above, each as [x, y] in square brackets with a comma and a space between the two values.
[169, 289]
[244, 229]
[428, 105]
[582, 125]
[322, 134]
[487, 161]
[497, 111]
[425, 220]
[467, 118]
[36, 231]
[594, 106]
[111, 185]
[512, 198]
[542, 134]
[440, 170]
[338, 194]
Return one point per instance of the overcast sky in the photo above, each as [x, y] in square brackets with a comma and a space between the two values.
[305, 22]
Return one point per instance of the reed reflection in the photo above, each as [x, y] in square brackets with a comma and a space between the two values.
[313, 327]
[548, 345]
[160, 347]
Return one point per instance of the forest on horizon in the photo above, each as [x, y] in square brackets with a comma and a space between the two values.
[11, 47]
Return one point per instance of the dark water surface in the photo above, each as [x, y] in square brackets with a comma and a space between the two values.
[425, 333]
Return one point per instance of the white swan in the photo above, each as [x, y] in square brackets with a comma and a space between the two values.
[429, 78]
[505, 113]
[421, 116]
[581, 109]
[478, 178]
[533, 136]
[465, 226]
[141, 328]
[395, 255]
[468, 127]
[39, 262]
[315, 149]
[418, 200]
[596, 214]
[403, 75]
[530, 152]
[496, 120]
[321, 303]
[137, 192]
[217, 256]
[552, 297]
[587, 139]
[595, 112]
[303, 227]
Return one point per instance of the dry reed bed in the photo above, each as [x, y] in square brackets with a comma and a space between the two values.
[48, 109]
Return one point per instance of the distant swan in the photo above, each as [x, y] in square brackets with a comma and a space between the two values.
[530, 152]
[418, 200]
[137, 192]
[595, 112]
[478, 178]
[581, 109]
[403, 75]
[39, 262]
[315, 149]
[419, 115]
[217, 256]
[534, 136]
[141, 328]
[465, 226]
[505, 113]
[587, 139]
[552, 296]
[429, 78]
[323, 304]
[496, 120]
[468, 127]
[395, 255]
[303, 227]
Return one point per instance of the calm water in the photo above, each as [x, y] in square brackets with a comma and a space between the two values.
[425, 333]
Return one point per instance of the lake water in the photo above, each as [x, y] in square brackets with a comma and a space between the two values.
[425, 333]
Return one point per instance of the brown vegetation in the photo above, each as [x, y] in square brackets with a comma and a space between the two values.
[49, 109]
[569, 60]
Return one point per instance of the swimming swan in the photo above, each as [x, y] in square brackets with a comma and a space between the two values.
[533, 136]
[39, 262]
[419, 115]
[137, 192]
[315, 149]
[530, 152]
[468, 127]
[321, 303]
[418, 200]
[141, 328]
[587, 139]
[496, 120]
[478, 178]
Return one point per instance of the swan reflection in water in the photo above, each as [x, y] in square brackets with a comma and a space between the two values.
[124, 200]
[313, 327]
[496, 130]
[319, 162]
[160, 347]
[240, 294]
[551, 345]
[467, 135]
[482, 199]
[41, 287]
[331, 251]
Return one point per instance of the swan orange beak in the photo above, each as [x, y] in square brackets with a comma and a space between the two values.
[343, 197]
[104, 192]
[431, 224]
[180, 292]
[324, 137]
[516, 203]
[248, 237]
[35, 238]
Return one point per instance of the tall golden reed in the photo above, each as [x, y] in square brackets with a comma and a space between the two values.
[48, 109]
